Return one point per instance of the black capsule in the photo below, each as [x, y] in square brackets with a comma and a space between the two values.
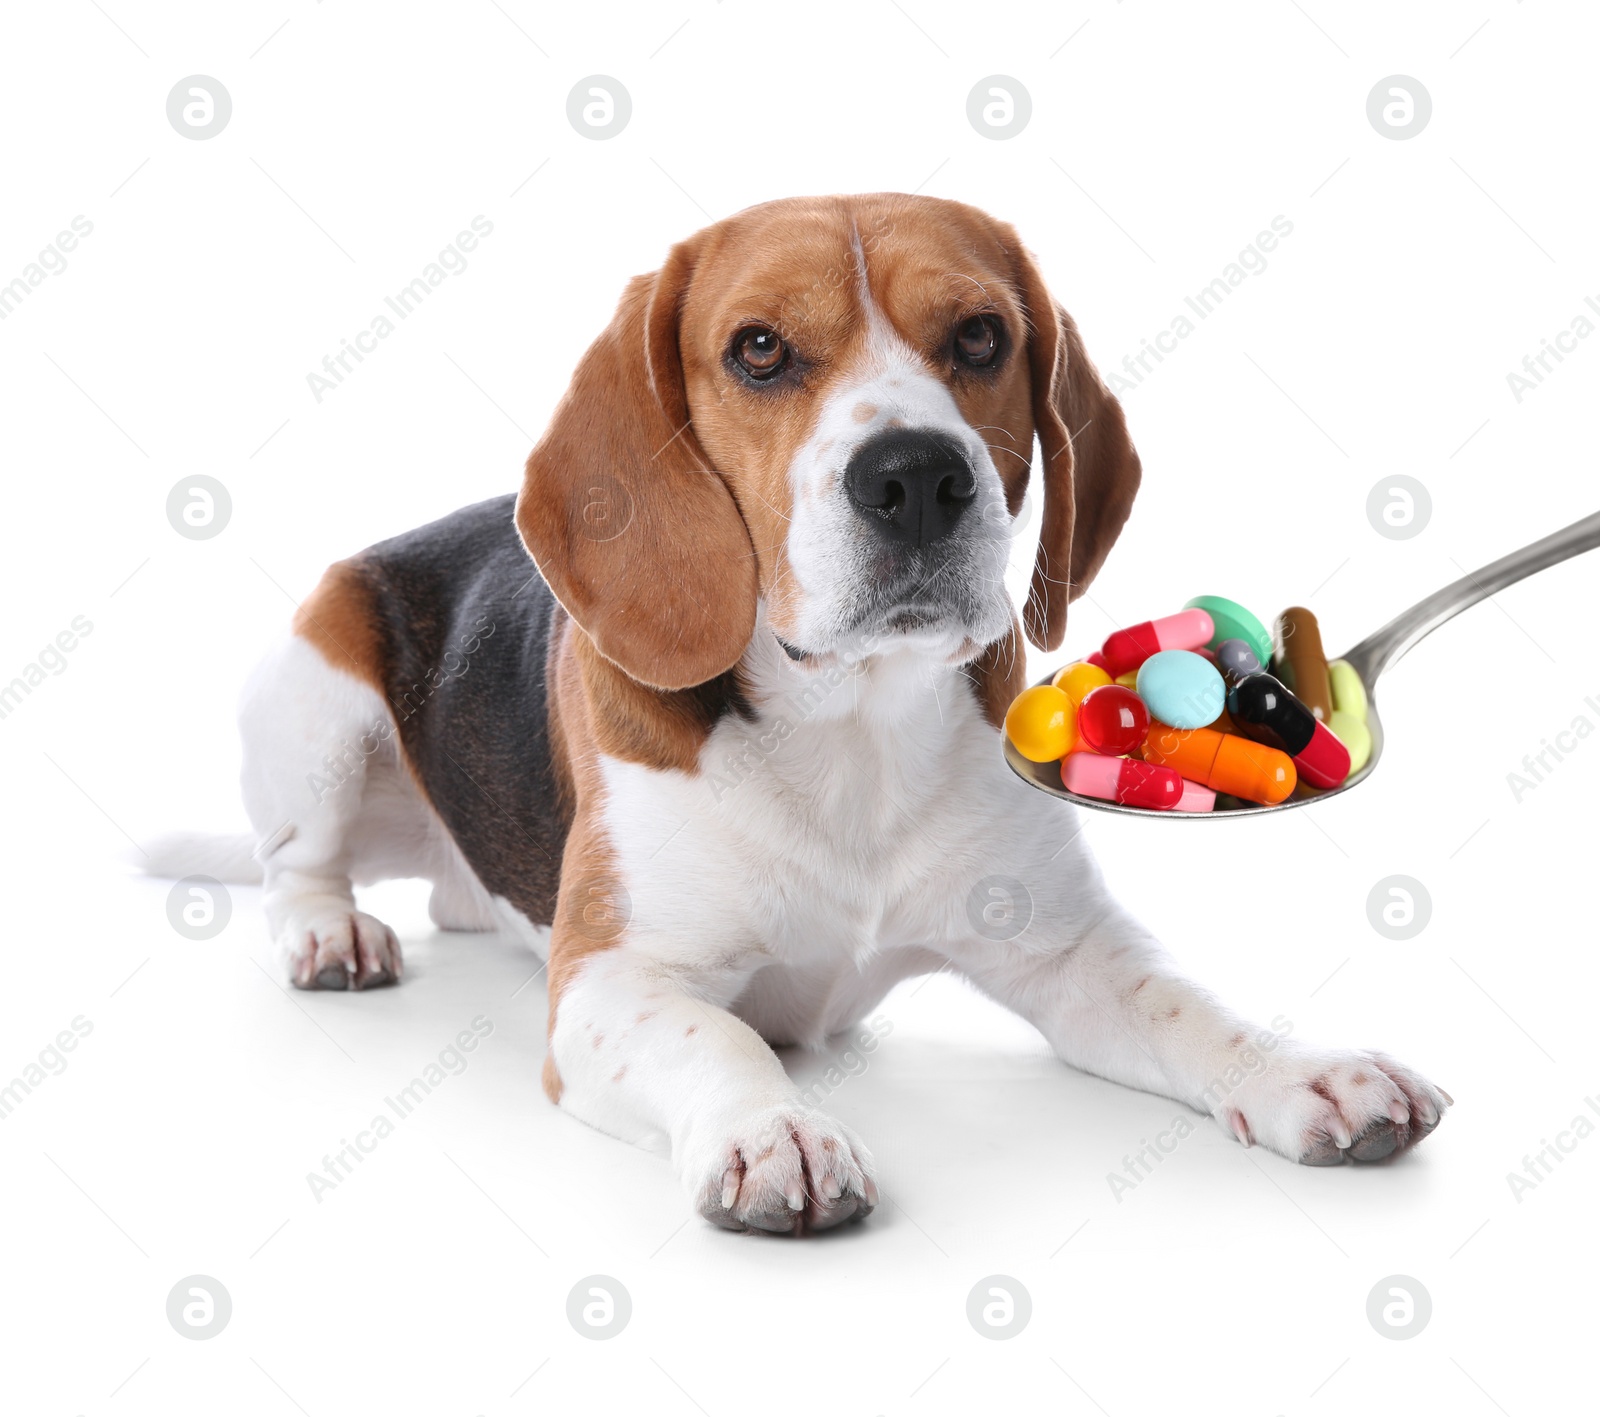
[1262, 709]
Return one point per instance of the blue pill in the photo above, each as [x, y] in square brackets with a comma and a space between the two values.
[1181, 689]
[1236, 657]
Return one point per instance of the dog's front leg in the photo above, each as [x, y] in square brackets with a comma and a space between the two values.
[643, 1050]
[1111, 1001]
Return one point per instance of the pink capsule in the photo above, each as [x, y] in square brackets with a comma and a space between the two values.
[1124, 780]
[1195, 798]
[1126, 650]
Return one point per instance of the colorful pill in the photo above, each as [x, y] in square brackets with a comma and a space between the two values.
[1042, 723]
[1349, 693]
[1233, 622]
[1354, 734]
[1133, 784]
[1196, 798]
[1128, 649]
[1181, 688]
[1223, 762]
[1235, 657]
[1263, 709]
[1129, 681]
[1077, 680]
[1098, 660]
[1112, 720]
[1299, 660]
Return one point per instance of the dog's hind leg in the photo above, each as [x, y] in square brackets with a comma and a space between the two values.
[317, 741]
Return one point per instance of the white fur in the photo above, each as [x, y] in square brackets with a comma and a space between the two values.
[834, 845]
[333, 806]
[832, 550]
[861, 829]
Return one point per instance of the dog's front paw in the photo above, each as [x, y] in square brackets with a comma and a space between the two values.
[1322, 1107]
[341, 949]
[786, 1170]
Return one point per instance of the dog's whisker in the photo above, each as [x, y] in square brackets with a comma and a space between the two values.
[1026, 462]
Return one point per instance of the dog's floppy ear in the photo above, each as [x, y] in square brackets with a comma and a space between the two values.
[631, 529]
[1091, 471]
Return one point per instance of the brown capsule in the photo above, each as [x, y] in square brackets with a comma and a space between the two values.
[1299, 660]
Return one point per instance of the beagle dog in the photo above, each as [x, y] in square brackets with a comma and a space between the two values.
[714, 705]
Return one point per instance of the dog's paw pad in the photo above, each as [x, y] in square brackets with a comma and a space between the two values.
[787, 1172]
[346, 950]
[1323, 1108]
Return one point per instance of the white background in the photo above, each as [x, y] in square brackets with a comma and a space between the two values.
[1163, 138]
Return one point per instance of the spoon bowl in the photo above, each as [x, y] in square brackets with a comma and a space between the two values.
[1369, 659]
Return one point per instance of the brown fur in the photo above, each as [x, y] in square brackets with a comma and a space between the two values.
[658, 439]
[337, 620]
[638, 538]
[660, 728]
[596, 708]
[657, 505]
[998, 675]
[550, 1078]
[1091, 471]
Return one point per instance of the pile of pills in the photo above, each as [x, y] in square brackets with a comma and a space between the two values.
[1183, 714]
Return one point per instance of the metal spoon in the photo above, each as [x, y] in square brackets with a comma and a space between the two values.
[1369, 659]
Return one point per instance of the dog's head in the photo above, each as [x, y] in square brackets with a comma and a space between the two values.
[826, 406]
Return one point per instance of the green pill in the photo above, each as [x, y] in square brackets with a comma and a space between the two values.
[1233, 622]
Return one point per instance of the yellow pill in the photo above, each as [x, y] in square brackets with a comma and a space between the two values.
[1079, 678]
[1130, 680]
[1042, 723]
[1349, 693]
[1354, 734]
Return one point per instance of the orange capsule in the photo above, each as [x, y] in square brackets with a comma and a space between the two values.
[1223, 762]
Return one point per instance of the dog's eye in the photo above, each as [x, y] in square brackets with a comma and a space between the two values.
[977, 341]
[759, 351]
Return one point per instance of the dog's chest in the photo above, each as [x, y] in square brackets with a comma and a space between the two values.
[816, 842]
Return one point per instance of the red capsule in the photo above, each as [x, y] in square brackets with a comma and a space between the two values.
[1264, 710]
[1126, 650]
[1324, 761]
[1124, 780]
[1112, 720]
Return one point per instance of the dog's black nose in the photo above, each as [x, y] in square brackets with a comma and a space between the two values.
[914, 485]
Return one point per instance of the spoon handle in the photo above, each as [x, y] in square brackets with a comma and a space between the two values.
[1379, 650]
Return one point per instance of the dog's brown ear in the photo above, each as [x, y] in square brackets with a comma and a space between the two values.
[1091, 471]
[631, 529]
